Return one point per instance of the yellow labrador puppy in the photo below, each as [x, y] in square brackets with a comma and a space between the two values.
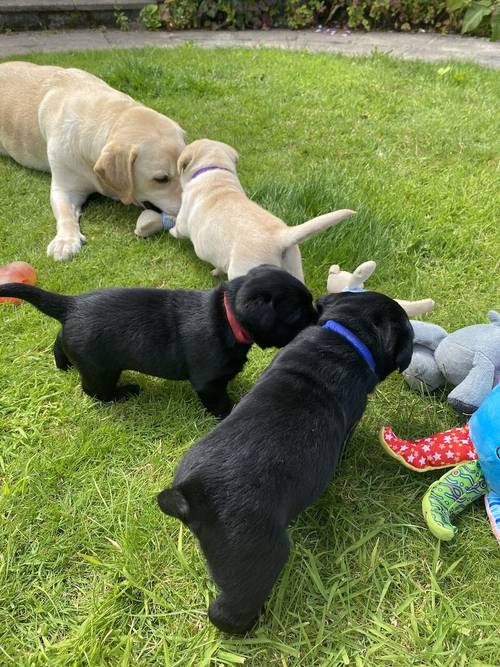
[226, 228]
[92, 138]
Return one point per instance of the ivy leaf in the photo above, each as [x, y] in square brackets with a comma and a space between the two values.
[495, 26]
[453, 5]
[474, 15]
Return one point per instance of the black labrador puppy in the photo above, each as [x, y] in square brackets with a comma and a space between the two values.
[241, 485]
[198, 335]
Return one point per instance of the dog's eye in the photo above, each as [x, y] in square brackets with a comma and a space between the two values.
[161, 179]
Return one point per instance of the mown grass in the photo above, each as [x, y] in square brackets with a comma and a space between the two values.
[91, 573]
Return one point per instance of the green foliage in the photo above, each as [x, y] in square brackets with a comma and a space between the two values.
[179, 14]
[300, 14]
[440, 15]
[150, 17]
[476, 12]
[122, 21]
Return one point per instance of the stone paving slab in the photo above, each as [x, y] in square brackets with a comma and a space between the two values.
[69, 5]
[428, 46]
[51, 5]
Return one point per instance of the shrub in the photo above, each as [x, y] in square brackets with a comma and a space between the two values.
[477, 16]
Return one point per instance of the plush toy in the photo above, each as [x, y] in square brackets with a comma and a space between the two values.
[468, 358]
[16, 272]
[150, 222]
[343, 281]
[475, 448]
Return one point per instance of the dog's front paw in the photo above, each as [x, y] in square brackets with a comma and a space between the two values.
[227, 620]
[64, 247]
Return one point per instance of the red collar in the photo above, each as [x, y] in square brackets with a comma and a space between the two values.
[241, 334]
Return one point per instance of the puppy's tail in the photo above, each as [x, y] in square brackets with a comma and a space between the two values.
[50, 303]
[299, 233]
[174, 503]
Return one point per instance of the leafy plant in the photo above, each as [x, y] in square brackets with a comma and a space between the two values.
[439, 15]
[150, 17]
[475, 12]
[179, 14]
[121, 20]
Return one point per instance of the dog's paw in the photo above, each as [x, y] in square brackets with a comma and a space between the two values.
[64, 247]
[227, 620]
[125, 391]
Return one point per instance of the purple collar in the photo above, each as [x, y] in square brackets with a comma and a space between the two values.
[203, 170]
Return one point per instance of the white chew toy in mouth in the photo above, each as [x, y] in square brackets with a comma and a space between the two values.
[150, 222]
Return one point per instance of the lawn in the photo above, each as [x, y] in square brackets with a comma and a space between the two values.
[91, 573]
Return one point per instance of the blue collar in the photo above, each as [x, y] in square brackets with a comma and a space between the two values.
[203, 170]
[354, 289]
[351, 338]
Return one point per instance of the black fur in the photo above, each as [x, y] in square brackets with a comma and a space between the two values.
[175, 334]
[240, 486]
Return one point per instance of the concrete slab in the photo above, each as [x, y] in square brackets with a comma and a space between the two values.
[421, 46]
[69, 5]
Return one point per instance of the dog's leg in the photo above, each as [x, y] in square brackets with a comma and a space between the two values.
[101, 384]
[245, 579]
[66, 200]
[215, 398]
[62, 361]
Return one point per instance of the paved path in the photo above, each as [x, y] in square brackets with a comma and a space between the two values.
[426, 46]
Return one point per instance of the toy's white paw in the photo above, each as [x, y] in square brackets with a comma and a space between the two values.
[64, 247]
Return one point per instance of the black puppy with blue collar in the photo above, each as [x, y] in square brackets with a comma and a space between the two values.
[240, 486]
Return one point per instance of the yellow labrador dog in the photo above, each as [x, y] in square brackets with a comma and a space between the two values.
[226, 228]
[92, 138]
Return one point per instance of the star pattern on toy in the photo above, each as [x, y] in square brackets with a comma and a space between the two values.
[438, 451]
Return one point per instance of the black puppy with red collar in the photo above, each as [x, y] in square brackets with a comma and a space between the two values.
[198, 335]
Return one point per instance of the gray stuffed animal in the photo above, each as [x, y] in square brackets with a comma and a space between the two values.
[468, 358]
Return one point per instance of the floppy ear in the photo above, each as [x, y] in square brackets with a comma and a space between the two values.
[115, 169]
[233, 154]
[404, 350]
[320, 305]
[185, 159]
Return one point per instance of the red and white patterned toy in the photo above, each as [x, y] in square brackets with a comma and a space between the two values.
[441, 450]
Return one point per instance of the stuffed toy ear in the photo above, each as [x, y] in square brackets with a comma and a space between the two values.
[362, 273]
[415, 308]
[115, 169]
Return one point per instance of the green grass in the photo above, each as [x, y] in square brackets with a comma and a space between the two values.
[91, 573]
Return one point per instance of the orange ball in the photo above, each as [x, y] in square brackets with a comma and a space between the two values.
[17, 272]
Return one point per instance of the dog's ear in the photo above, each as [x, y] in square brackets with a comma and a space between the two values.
[185, 159]
[115, 169]
[320, 305]
[233, 153]
[404, 349]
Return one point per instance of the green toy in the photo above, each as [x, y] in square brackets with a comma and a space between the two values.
[475, 448]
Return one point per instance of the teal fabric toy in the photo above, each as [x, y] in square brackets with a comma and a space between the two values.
[468, 358]
[478, 444]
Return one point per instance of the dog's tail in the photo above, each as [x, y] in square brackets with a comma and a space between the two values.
[299, 233]
[173, 502]
[52, 304]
